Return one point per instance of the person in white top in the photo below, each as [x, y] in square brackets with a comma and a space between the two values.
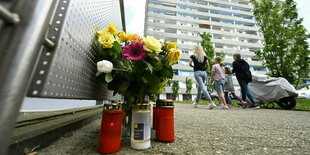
[218, 75]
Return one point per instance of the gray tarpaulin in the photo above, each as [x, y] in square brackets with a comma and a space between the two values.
[270, 89]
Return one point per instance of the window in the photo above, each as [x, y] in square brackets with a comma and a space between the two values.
[229, 57]
[171, 13]
[183, 62]
[169, 5]
[175, 72]
[169, 96]
[185, 52]
[244, 49]
[186, 73]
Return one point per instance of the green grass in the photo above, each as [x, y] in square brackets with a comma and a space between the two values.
[301, 104]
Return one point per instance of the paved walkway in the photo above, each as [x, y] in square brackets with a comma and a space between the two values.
[217, 131]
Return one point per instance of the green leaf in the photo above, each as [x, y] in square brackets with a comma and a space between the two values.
[167, 72]
[152, 55]
[123, 87]
[149, 66]
[144, 79]
[128, 66]
[116, 46]
[153, 97]
[154, 83]
[119, 64]
[158, 66]
[108, 77]
[162, 86]
[98, 73]
[131, 99]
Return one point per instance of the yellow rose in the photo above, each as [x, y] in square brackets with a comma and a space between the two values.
[99, 33]
[106, 40]
[123, 36]
[151, 44]
[112, 29]
[168, 45]
[174, 56]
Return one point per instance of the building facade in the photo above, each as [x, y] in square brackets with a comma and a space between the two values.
[230, 23]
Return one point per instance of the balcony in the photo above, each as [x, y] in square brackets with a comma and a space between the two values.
[191, 13]
[204, 26]
[182, 67]
[239, 27]
[201, 30]
[215, 5]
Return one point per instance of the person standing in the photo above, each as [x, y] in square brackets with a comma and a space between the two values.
[200, 66]
[244, 76]
[229, 87]
[218, 75]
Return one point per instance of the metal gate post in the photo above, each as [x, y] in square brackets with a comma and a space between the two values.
[19, 48]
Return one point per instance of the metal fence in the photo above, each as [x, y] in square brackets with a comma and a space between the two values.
[46, 51]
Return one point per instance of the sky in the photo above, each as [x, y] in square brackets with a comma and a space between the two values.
[134, 16]
[135, 11]
[303, 7]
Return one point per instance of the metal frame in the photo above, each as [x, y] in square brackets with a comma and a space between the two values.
[9, 17]
[20, 46]
[68, 70]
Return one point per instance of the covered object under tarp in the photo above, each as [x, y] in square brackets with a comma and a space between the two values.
[271, 89]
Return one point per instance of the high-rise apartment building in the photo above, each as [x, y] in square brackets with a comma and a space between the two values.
[230, 23]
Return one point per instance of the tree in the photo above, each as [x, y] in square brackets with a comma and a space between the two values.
[189, 86]
[175, 89]
[208, 48]
[286, 51]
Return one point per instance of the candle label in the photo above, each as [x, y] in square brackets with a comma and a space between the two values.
[142, 131]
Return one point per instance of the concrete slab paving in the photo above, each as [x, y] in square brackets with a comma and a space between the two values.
[202, 131]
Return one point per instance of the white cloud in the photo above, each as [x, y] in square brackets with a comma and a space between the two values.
[304, 12]
[135, 12]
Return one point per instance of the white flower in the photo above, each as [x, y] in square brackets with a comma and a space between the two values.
[104, 66]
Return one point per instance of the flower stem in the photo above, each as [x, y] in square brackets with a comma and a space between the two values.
[119, 69]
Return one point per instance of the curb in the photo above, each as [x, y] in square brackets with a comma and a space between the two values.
[35, 133]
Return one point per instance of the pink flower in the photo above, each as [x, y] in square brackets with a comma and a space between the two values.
[156, 58]
[134, 51]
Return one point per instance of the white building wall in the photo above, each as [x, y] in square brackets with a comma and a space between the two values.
[232, 28]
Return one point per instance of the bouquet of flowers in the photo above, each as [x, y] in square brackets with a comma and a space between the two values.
[132, 66]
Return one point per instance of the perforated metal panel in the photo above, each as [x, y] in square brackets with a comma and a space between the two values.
[68, 70]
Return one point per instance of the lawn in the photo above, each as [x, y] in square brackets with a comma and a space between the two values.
[302, 104]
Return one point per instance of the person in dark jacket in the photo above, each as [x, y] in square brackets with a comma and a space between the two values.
[244, 76]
